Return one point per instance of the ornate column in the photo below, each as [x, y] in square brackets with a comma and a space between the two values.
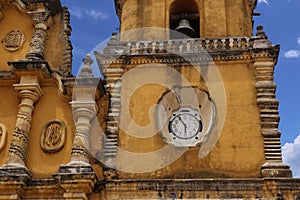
[264, 65]
[29, 93]
[37, 44]
[77, 177]
[84, 112]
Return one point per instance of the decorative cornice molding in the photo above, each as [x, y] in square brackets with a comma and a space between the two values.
[187, 50]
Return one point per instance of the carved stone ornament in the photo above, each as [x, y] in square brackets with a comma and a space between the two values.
[53, 136]
[13, 40]
[3, 136]
[186, 117]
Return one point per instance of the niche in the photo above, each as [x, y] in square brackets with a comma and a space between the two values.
[184, 18]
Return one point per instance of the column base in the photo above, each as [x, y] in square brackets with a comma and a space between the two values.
[77, 179]
[276, 169]
[14, 172]
[75, 171]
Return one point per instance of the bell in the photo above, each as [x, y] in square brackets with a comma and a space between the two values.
[185, 28]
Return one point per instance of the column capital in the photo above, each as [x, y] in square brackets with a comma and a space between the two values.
[29, 87]
[84, 108]
[40, 17]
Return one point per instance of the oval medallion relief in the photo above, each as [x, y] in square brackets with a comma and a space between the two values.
[3, 135]
[53, 136]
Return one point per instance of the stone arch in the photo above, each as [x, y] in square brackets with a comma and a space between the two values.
[184, 9]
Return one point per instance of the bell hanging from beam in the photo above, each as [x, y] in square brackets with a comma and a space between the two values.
[185, 28]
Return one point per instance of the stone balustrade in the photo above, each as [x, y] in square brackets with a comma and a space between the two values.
[190, 45]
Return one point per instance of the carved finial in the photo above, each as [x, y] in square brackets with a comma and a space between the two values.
[86, 70]
[260, 32]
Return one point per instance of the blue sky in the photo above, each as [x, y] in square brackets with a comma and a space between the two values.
[93, 21]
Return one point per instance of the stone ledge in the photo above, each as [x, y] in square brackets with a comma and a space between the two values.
[201, 184]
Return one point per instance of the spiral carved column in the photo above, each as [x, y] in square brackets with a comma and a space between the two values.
[37, 44]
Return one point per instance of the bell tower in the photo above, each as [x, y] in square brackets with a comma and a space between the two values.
[209, 19]
[185, 108]
[192, 99]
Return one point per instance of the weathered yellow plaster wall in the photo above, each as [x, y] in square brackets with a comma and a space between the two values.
[54, 41]
[8, 111]
[14, 20]
[50, 107]
[23, 23]
[239, 20]
[239, 151]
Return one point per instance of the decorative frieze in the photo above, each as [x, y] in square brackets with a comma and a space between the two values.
[13, 40]
[53, 136]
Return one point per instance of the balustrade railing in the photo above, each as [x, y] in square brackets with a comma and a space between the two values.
[185, 45]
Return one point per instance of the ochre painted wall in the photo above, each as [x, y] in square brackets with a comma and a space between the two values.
[14, 20]
[8, 111]
[239, 151]
[54, 41]
[22, 22]
[50, 107]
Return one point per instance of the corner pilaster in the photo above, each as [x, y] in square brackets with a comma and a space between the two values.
[265, 60]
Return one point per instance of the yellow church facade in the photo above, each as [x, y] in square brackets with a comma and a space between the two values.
[186, 108]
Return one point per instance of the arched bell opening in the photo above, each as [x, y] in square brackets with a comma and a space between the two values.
[184, 18]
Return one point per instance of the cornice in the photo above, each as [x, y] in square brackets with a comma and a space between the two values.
[188, 50]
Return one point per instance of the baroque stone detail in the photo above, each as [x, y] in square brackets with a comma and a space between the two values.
[84, 110]
[29, 93]
[269, 115]
[21, 135]
[112, 75]
[53, 136]
[25, 116]
[37, 44]
[66, 66]
[219, 49]
[3, 136]
[18, 150]
[13, 40]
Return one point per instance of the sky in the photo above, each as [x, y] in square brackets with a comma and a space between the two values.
[93, 21]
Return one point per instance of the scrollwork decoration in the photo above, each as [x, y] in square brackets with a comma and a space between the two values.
[53, 136]
[13, 40]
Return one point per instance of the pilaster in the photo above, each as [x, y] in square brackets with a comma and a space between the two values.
[265, 61]
[77, 178]
[29, 92]
[112, 74]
